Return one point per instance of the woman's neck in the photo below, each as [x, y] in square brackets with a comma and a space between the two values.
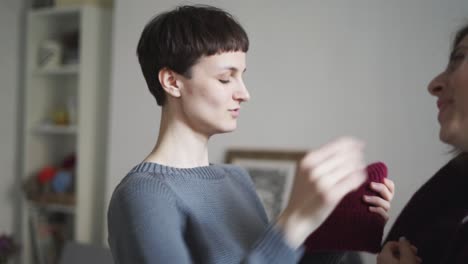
[179, 146]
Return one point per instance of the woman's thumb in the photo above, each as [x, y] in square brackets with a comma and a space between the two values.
[407, 254]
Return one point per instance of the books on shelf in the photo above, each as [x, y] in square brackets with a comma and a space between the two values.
[49, 232]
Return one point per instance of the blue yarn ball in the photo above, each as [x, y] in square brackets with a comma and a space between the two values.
[62, 181]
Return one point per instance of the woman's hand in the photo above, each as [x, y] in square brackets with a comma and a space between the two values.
[401, 252]
[324, 177]
[381, 204]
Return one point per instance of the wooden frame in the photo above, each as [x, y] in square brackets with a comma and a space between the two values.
[272, 172]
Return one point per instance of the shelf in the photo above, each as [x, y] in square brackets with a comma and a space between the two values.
[53, 202]
[76, 85]
[55, 11]
[56, 129]
[63, 70]
[52, 207]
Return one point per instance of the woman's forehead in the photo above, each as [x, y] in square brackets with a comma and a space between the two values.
[229, 61]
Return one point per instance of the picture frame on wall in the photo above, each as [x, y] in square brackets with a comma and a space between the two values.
[272, 172]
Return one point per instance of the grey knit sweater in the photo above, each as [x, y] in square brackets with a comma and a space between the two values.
[211, 214]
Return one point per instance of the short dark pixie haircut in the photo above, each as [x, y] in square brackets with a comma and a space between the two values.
[177, 39]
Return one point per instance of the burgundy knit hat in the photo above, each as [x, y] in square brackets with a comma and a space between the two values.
[351, 226]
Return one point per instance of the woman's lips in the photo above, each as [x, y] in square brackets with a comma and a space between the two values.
[235, 112]
[442, 105]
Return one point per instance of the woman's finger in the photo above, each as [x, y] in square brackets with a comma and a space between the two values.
[377, 202]
[406, 251]
[338, 161]
[380, 211]
[390, 185]
[330, 149]
[383, 190]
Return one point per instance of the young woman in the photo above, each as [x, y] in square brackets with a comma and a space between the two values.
[177, 207]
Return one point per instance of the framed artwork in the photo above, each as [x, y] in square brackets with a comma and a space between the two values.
[272, 173]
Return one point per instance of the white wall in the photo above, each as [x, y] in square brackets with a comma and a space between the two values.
[316, 70]
[10, 26]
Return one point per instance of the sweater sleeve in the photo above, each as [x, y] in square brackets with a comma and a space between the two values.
[272, 248]
[147, 226]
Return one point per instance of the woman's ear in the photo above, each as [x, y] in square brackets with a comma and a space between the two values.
[170, 82]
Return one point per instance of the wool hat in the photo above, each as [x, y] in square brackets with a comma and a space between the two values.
[351, 226]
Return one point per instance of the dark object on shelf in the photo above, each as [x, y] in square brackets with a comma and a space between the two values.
[70, 43]
[42, 3]
[69, 162]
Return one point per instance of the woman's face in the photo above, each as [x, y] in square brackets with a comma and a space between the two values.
[451, 89]
[212, 96]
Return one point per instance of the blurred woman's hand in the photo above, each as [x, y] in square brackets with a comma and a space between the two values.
[401, 252]
[325, 176]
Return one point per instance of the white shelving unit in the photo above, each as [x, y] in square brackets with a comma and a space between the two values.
[64, 70]
[46, 143]
[48, 129]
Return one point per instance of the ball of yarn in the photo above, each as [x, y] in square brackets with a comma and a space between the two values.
[62, 181]
[69, 162]
[46, 174]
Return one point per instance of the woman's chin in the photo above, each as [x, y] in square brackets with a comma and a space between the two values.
[228, 130]
[444, 136]
[450, 137]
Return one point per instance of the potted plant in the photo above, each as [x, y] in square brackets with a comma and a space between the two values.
[8, 248]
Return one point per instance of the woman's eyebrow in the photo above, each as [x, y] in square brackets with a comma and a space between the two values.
[458, 48]
[232, 68]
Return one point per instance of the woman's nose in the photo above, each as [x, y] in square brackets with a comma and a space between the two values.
[437, 85]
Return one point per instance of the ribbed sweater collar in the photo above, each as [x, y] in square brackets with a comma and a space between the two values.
[204, 172]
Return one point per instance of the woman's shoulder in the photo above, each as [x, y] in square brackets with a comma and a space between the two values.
[453, 172]
[239, 175]
[237, 172]
[140, 185]
[139, 202]
[234, 168]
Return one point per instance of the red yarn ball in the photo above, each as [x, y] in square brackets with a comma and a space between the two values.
[46, 174]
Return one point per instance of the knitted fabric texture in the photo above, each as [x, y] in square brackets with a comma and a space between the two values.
[203, 215]
[351, 226]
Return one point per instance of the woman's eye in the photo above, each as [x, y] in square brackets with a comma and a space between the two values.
[457, 57]
[455, 60]
[224, 81]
